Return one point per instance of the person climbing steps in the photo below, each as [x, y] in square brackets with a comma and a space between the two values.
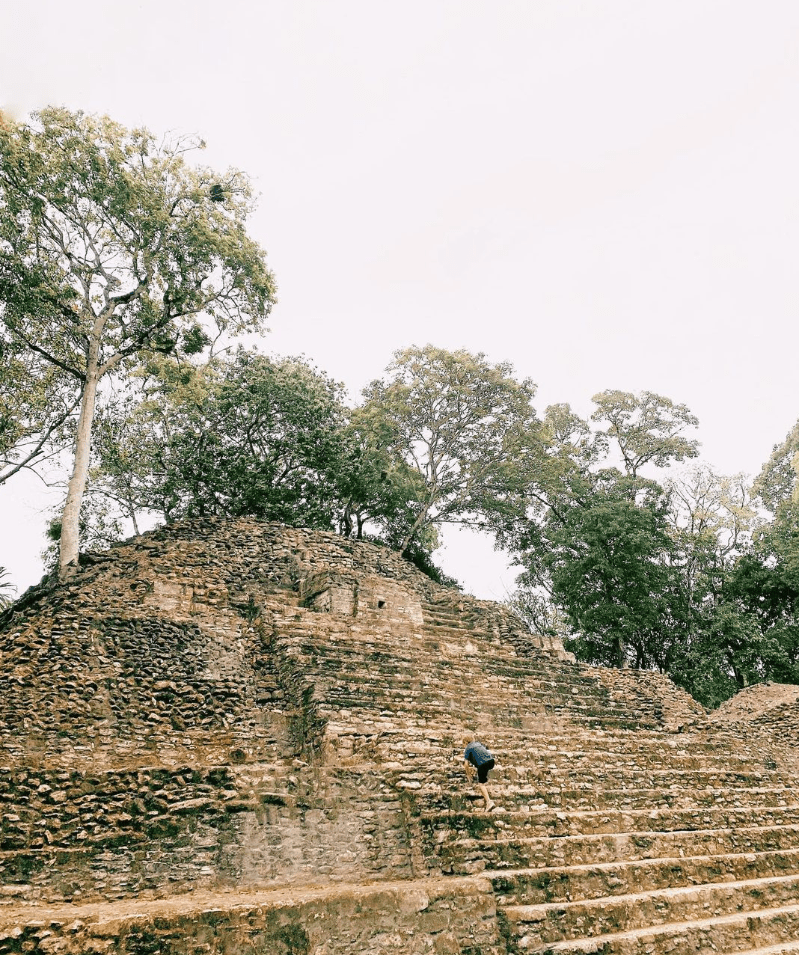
[479, 760]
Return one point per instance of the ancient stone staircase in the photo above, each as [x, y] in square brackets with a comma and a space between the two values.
[262, 751]
[712, 844]
[614, 833]
[619, 839]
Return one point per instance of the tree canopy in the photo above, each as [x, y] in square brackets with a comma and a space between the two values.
[246, 434]
[778, 480]
[111, 250]
[636, 570]
[458, 421]
[243, 435]
[609, 567]
[647, 428]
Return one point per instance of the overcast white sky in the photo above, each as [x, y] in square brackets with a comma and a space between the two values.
[605, 194]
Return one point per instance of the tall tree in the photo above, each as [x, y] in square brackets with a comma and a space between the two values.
[113, 248]
[608, 561]
[761, 605]
[595, 542]
[553, 474]
[778, 480]
[377, 488]
[712, 520]
[647, 428]
[458, 420]
[245, 434]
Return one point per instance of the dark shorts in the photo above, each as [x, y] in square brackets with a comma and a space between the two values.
[482, 771]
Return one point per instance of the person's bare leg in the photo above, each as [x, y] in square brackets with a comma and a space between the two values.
[484, 793]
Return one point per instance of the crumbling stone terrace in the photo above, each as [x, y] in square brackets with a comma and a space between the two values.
[238, 737]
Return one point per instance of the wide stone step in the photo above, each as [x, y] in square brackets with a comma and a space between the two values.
[759, 931]
[516, 714]
[660, 756]
[422, 653]
[354, 698]
[538, 742]
[582, 714]
[563, 884]
[372, 684]
[645, 777]
[441, 648]
[407, 917]
[531, 763]
[471, 855]
[449, 790]
[537, 925]
[535, 769]
[781, 948]
[570, 742]
[542, 782]
[414, 711]
[358, 662]
[420, 711]
[457, 682]
[592, 822]
[587, 797]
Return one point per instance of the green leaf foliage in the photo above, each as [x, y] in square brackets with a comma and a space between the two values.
[647, 428]
[107, 235]
[458, 421]
[112, 251]
[778, 481]
[244, 435]
[608, 562]
[250, 435]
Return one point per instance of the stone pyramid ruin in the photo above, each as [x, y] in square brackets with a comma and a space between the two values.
[233, 737]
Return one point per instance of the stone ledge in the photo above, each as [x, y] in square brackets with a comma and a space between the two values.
[420, 915]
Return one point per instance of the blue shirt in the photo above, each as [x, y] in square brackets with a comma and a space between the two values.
[477, 754]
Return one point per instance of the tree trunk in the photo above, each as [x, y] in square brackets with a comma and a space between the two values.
[618, 642]
[70, 519]
[416, 525]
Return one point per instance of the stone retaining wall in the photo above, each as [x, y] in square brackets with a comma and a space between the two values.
[453, 917]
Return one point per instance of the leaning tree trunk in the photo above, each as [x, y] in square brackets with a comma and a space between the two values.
[416, 525]
[70, 519]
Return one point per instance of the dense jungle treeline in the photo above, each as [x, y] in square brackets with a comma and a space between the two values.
[126, 282]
